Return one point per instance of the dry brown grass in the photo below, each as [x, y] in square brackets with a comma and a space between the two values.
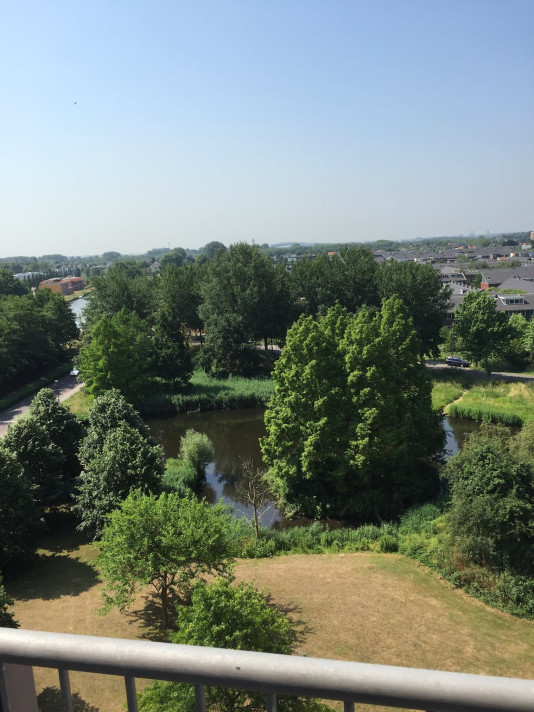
[364, 607]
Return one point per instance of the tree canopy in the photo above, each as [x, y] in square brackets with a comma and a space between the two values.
[117, 456]
[350, 423]
[483, 330]
[166, 541]
[491, 514]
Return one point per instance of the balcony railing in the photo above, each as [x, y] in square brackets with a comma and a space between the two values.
[273, 675]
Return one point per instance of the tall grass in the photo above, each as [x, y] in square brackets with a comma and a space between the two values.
[497, 402]
[445, 392]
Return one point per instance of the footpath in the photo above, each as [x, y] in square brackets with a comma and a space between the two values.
[63, 388]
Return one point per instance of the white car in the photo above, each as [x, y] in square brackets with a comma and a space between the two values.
[74, 372]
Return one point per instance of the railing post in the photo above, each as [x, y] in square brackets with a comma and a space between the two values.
[271, 702]
[18, 688]
[64, 684]
[348, 706]
[131, 697]
[200, 699]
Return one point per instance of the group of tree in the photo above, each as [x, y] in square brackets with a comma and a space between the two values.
[38, 470]
[490, 515]
[34, 331]
[235, 297]
[350, 426]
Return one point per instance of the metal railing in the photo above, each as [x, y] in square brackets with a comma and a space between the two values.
[273, 675]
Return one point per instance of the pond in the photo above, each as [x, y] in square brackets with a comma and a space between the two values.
[235, 436]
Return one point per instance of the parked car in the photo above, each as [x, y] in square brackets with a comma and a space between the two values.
[74, 372]
[457, 361]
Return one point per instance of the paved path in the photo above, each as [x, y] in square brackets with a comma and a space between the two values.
[64, 387]
[496, 376]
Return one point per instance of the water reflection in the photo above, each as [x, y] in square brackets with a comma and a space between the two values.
[235, 436]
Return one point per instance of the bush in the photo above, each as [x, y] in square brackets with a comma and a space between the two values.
[178, 477]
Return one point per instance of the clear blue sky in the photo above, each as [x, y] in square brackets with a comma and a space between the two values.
[127, 125]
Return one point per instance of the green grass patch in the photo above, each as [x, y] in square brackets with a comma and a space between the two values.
[33, 386]
[79, 403]
[202, 393]
[445, 392]
[496, 402]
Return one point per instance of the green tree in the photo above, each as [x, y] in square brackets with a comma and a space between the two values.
[243, 287]
[211, 249]
[427, 300]
[126, 462]
[179, 296]
[348, 279]
[238, 617]
[171, 358]
[64, 430]
[165, 541]
[176, 257]
[116, 353]
[483, 330]
[9, 284]
[20, 517]
[42, 461]
[491, 515]
[350, 423]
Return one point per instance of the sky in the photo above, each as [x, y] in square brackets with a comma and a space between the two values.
[131, 125]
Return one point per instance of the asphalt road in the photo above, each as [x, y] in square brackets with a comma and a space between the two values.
[64, 387]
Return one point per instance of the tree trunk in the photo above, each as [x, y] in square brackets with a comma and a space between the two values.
[164, 597]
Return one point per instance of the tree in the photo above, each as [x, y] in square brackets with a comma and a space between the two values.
[483, 330]
[238, 617]
[176, 257]
[243, 286]
[126, 462]
[63, 428]
[348, 279]
[211, 249]
[351, 423]
[171, 354]
[42, 461]
[179, 296]
[117, 354]
[9, 284]
[20, 517]
[254, 491]
[165, 541]
[491, 515]
[427, 300]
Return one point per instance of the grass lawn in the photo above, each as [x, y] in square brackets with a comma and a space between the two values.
[379, 608]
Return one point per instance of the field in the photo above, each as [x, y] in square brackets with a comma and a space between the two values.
[498, 402]
[379, 608]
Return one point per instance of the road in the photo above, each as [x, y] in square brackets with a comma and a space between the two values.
[496, 376]
[64, 387]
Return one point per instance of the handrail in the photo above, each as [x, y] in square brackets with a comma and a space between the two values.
[281, 674]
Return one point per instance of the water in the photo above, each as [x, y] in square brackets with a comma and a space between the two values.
[77, 305]
[235, 435]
